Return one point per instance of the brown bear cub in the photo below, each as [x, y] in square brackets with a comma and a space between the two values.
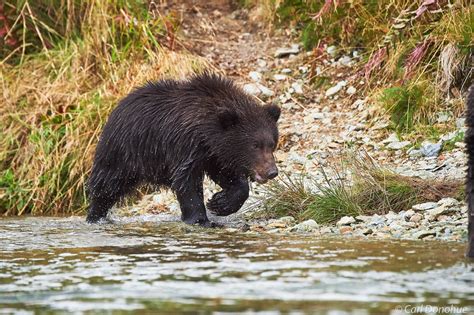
[172, 133]
[469, 139]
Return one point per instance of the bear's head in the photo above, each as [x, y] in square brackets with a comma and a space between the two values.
[249, 136]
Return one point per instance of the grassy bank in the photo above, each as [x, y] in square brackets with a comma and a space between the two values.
[359, 187]
[417, 58]
[64, 66]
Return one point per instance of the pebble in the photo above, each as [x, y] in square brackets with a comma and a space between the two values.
[345, 229]
[429, 149]
[346, 220]
[425, 206]
[336, 88]
[331, 50]
[351, 90]
[305, 227]
[279, 77]
[255, 76]
[285, 51]
[298, 87]
[397, 145]
[252, 89]
[416, 218]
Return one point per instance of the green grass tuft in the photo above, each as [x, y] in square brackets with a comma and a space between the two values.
[370, 189]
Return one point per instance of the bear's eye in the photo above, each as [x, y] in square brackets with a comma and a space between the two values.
[256, 145]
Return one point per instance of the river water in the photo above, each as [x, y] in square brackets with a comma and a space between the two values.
[65, 265]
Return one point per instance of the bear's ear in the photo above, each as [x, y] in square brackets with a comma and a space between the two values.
[274, 111]
[228, 118]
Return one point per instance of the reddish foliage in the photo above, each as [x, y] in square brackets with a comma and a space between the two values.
[375, 61]
[415, 57]
[326, 8]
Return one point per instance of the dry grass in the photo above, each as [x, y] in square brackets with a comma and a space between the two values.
[55, 100]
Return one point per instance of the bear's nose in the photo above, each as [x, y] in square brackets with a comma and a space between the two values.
[272, 174]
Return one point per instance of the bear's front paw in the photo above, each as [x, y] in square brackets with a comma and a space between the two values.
[219, 205]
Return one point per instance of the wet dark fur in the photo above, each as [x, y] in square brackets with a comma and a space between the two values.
[172, 133]
[470, 170]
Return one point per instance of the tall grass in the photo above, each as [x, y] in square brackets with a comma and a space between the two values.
[358, 187]
[69, 64]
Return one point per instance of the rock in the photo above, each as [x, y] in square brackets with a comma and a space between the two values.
[305, 227]
[252, 89]
[298, 87]
[397, 145]
[448, 202]
[266, 91]
[331, 50]
[345, 229]
[424, 233]
[317, 115]
[433, 214]
[288, 220]
[303, 69]
[367, 231]
[429, 149]
[351, 90]
[335, 89]
[392, 138]
[285, 51]
[286, 70]
[255, 76]
[443, 117]
[261, 63]
[345, 61]
[416, 218]
[425, 206]
[363, 218]
[460, 123]
[279, 77]
[377, 220]
[346, 220]
[408, 215]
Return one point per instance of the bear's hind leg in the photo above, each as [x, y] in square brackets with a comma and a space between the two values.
[105, 191]
[233, 195]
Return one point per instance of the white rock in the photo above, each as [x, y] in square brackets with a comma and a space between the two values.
[255, 76]
[346, 220]
[345, 60]
[305, 226]
[261, 63]
[252, 89]
[298, 87]
[286, 70]
[279, 77]
[425, 206]
[398, 145]
[285, 51]
[331, 50]
[266, 91]
[351, 90]
[448, 202]
[317, 115]
[335, 89]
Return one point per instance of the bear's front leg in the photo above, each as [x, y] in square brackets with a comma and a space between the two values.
[233, 195]
[191, 202]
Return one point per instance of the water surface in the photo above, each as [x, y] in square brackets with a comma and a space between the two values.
[65, 265]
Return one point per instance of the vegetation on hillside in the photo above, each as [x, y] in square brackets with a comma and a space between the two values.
[64, 64]
[418, 56]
